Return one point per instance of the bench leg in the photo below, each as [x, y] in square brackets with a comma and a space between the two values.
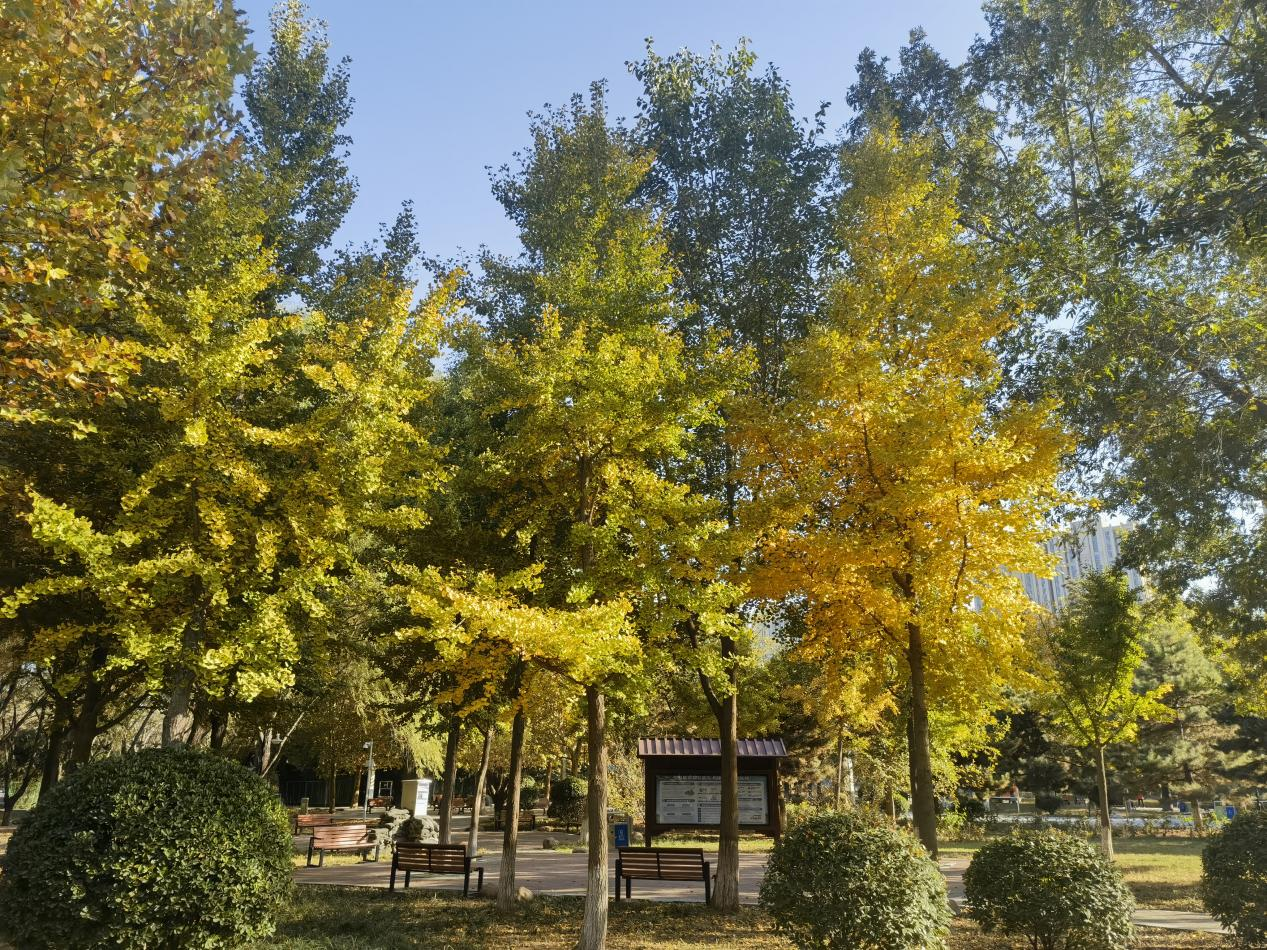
[479, 880]
[391, 882]
[708, 886]
[618, 879]
[309, 862]
[408, 875]
[466, 882]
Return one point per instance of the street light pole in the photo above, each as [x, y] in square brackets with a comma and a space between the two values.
[369, 779]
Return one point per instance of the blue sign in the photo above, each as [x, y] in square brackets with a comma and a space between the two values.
[622, 834]
[1183, 808]
[1230, 811]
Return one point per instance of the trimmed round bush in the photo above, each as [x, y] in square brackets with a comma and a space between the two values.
[1048, 802]
[158, 848]
[1057, 890]
[835, 880]
[1234, 877]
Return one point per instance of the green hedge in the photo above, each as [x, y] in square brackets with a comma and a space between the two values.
[1056, 890]
[1234, 877]
[836, 881]
[158, 848]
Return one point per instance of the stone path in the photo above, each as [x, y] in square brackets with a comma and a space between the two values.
[563, 873]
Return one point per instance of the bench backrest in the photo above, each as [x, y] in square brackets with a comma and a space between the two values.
[665, 863]
[338, 836]
[313, 819]
[436, 858]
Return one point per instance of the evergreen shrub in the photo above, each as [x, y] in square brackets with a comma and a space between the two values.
[157, 848]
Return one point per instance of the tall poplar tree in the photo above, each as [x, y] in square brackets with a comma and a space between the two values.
[587, 394]
[297, 104]
[741, 183]
[901, 500]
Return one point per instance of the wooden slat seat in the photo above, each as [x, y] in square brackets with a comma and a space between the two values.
[662, 864]
[411, 856]
[352, 837]
[382, 801]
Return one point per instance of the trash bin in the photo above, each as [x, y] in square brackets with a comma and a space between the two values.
[620, 834]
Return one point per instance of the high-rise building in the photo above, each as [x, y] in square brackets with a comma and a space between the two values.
[1091, 547]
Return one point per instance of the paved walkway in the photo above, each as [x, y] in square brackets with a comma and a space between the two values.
[563, 873]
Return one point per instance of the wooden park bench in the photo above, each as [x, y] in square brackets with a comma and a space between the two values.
[340, 838]
[413, 856]
[382, 801]
[527, 821]
[312, 820]
[662, 864]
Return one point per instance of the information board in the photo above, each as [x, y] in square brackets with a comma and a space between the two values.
[696, 800]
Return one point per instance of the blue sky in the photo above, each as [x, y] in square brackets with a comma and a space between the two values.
[443, 90]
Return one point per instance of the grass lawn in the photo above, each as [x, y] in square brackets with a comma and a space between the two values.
[1162, 873]
[753, 844]
[329, 918]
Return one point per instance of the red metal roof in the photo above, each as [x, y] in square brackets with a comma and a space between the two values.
[672, 745]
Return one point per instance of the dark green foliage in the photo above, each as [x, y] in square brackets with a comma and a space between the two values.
[158, 848]
[834, 880]
[971, 807]
[298, 103]
[1234, 878]
[1056, 890]
[567, 800]
[411, 830]
[1048, 802]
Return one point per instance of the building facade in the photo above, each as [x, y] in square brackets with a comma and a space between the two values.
[1093, 547]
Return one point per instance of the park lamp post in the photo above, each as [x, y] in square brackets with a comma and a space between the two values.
[369, 778]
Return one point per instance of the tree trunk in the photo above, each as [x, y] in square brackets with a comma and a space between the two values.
[840, 768]
[178, 721]
[1198, 821]
[594, 923]
[477, 800]
[1102, 786]
[332, 784]
[357, 786]
[219, 730]
[549, 786]
[507, 889]
[890, 806]
[923, 798]
[450, 779]
[266, 749]
[1165, 798]
[726, 890]
[52, 772]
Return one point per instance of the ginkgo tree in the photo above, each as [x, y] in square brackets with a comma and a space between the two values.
[586, 394]
[112, 117]
[897, 498]
[210, 568]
